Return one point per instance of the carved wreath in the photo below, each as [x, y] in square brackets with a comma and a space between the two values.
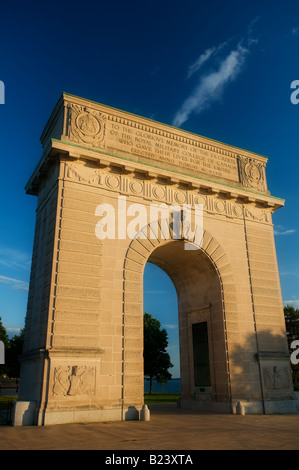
[251, 173]
[86, 125]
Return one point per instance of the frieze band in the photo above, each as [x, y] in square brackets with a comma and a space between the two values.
[164, 193]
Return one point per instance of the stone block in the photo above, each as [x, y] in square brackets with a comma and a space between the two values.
[23, 413]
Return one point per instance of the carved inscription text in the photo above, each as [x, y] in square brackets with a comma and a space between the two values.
[167, 150]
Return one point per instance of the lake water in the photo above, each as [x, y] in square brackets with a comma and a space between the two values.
[172, 386]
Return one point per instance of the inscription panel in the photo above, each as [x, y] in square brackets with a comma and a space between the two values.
[127, 136]
[170, 152]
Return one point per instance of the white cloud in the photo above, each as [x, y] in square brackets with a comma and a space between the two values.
[203, 58]
[173, 348]
[152, 292]
[212, 85]
[15, 259]
[251, 26]
[294, 303]
[14, 283]
[279, 230]
[285, 273]
[13, 332]
[170, 327]
[295, 31]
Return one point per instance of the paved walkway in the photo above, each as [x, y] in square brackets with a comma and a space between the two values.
[168, 429]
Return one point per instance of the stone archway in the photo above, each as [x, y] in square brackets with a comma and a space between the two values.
[82, 358]
[200, 287]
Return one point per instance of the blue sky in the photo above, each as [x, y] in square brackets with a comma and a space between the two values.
[218, 69]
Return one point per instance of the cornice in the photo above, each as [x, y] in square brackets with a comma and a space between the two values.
[59, 150]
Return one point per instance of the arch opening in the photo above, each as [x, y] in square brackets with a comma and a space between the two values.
[160, 301]
[201, 326]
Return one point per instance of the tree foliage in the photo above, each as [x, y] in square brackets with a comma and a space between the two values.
[156, 359]
[13, 350]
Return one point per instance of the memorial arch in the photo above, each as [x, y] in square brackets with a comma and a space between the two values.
[83, 349]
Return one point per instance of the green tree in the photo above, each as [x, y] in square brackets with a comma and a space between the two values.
[156, 359]
[292, 329]
[14, 351]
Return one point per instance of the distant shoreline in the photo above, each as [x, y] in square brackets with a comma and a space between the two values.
[172, 386]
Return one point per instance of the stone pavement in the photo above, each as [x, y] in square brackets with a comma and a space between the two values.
[169, 429]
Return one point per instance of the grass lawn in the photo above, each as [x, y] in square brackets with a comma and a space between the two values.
[4, 399]
[148, 398]
[161, 397]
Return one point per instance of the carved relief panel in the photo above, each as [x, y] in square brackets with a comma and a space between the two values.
[252, 173]
[86, 125]
[277, 380]
[73, 381]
